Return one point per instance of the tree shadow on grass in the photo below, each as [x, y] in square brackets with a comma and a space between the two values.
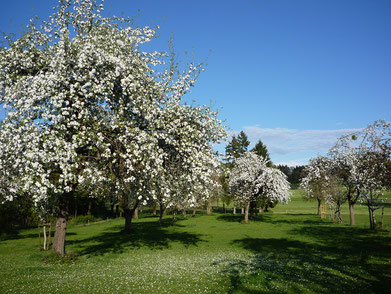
[290, 219]
[297, 219]
[144, 234]
[349, 242]
[17, 235]
[231, 217]
[342, 260]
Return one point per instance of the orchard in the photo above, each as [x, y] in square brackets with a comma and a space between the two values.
[102, 153]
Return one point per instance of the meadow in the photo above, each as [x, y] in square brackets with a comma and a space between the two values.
[289, 249]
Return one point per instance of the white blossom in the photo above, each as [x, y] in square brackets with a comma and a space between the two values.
[251, 180]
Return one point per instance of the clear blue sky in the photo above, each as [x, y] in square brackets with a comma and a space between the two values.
[296, 74]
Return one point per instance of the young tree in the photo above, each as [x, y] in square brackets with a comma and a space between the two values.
[318, 173]
[322, 184]
[374, 174]
[335, 196]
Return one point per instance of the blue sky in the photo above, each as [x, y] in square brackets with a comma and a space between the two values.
[295, 74]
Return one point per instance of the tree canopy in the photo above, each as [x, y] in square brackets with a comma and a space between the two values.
[87, 108]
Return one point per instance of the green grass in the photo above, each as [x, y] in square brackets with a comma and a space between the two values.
[288, 250]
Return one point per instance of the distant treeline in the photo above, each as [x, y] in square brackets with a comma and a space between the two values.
[294, 174]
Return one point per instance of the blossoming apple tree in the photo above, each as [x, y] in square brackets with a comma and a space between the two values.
[252, 180]
[86, 108]
[189, 161]
[360, 161]
[321, 183]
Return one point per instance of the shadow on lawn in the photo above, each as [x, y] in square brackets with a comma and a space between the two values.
[342, 260]
[292, 219]
[16, 235]
[144, 234]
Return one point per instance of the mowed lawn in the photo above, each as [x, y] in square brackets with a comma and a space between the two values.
[287, 250]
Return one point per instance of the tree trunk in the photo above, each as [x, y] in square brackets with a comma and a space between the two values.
[154, 208]
[89, 206]
[112, 208]
[340, 220]
[319, 204]
[260, 209]
[135, 213]
[161, 213]
[209, 208]
[338, 212]
[234, 212]
[351, 213]
[128, 219]
[39, 236]
[251, 210]
[184, 212]
[194, 212]
[246, 212]
[59, 235]
[243, 210]
[44, 237]
[372, 220]
[61, 224]
[382, 217]
[50, 235]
